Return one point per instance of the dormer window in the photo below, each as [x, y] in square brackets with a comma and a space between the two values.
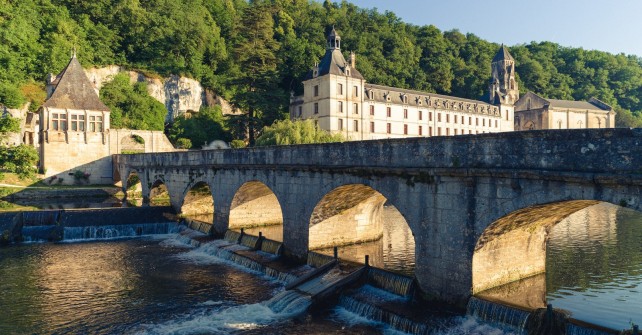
[315, 73]
[347, 72]
[418, 101]
[404, 98]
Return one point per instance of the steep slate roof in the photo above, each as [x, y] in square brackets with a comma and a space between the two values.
[333, 62]
[502, 54]
[74, 90]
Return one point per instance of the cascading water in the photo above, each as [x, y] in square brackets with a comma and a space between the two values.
[497, 313]
[271, 247]
[40, 218]
[317, 260]
[232, 236]
[289, 303]
[572, 329]
[375, 313]
[391, 282]
[249, 241]
[118, 231]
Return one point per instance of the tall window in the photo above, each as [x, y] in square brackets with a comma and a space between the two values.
[316, 108]
[470, 120]
[484, 122]
[448, 118]
[388, 128]
[371, 109]
[340, 124]
[96, 124]
[439, 117]
[438, 131]
[448, 131]
[356, 125]
[421, 116]
[455, 131]
[340, 89]
[355, 108]
[477, 121]
[316, 90]
[388, 111]
[405, 129]
[455, 118]
[340, 106]
[56, 121]
[429, 116]
[356, 91]
[421, 133]
[429, 131]
[372, 128]
[405, 113]
[77, 122]
[495, 123]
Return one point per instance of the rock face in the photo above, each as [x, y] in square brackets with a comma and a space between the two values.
[178, 94]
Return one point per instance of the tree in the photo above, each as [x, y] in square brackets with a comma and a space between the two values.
[19, 159]
[131, 106]
[258, 92]
[199, 129]
[288, 132]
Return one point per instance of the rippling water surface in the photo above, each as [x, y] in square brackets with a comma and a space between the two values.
[594, 266]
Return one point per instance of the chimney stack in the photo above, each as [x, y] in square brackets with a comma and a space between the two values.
[353, 60]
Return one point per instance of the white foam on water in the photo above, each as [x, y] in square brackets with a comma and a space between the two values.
[232, 319]
[211, 303]
[469, 325]
[352, 319]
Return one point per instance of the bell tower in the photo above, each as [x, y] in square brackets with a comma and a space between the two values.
[503, 84]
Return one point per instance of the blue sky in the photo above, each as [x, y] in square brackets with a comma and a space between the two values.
[614, 26]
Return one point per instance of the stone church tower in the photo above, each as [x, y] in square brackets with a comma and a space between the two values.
[503, 89]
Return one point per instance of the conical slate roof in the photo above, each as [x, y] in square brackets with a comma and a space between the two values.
[502, 54]
[74, 90]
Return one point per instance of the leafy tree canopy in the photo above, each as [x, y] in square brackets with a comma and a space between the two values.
[131, 106]
[199, 129]
[287, 132]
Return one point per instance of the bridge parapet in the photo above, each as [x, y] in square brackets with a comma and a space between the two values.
[583, 150]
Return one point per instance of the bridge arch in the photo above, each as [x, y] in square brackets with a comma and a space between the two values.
[255, 205]
[514, 247]
[158, 194]
[198, 202]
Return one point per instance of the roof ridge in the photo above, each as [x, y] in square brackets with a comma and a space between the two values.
[74, 90]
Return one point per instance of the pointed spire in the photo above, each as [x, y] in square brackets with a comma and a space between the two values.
[502, 54]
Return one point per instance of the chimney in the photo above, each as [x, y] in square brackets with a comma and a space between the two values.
[353, 60]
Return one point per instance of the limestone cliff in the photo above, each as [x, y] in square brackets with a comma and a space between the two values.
[178, 94]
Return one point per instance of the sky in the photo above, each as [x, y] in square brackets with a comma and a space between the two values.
[614, 26]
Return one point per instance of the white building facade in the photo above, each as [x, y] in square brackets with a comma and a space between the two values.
[338, 99]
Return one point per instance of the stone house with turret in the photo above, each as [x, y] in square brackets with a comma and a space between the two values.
[72, 132]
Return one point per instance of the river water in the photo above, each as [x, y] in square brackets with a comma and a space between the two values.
[162, 285]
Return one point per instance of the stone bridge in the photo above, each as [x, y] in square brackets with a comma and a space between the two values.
[479, 206]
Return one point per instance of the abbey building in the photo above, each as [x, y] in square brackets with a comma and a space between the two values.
[338, 98]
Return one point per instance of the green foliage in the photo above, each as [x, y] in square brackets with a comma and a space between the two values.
[131, 106]
[199, 129]
[238, 144]
[19, 159]
[255, 52]
[11, 96]
[287, 132]
[183, 143]
[9, 125]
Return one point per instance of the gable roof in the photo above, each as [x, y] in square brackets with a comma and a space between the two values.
[74, 90]
[592, 104]
[502, 54]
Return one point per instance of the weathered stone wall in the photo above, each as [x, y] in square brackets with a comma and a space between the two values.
[449, 189]
[178, 94]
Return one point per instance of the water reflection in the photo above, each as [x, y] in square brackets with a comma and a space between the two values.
[594, 266]
[593, 269]
[394, 252]
[111, 287]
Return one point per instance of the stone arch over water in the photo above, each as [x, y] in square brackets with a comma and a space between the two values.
[255, 205]
[198, 202]
[159, 194]
[514, 247]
